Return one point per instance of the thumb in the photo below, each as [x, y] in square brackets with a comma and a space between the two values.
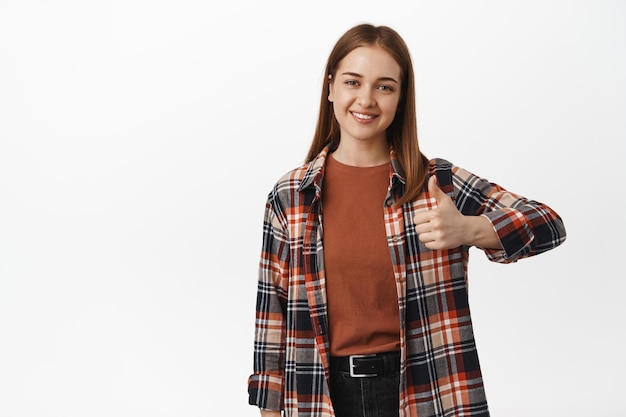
[434, 190]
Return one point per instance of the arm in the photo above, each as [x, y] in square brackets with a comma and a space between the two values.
[506, 226]
[524, 227]
[266, 384]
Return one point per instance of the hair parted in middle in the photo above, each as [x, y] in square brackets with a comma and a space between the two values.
[402, 133]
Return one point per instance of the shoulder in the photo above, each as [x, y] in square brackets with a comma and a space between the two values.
[454, 179]
[304, 177]
[444, 171]
[292, 179]
[297, 174]
[294, 188]
[440, 164]
[443, 167]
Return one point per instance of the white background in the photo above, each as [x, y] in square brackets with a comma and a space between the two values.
[139, 139]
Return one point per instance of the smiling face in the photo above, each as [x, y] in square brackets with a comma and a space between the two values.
[365, 93]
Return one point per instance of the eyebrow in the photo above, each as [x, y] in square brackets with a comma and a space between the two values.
[354, 74]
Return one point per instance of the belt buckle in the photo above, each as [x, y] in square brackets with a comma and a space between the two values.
[352, 366]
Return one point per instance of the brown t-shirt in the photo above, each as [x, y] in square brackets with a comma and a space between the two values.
[360, 285]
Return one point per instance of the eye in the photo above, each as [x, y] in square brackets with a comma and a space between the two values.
[351, 83]
[387, 88]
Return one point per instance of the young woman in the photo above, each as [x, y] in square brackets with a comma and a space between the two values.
[362, 305]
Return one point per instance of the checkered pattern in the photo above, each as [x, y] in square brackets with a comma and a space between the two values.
[440, 372]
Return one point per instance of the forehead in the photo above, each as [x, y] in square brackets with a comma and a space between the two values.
[372, 61]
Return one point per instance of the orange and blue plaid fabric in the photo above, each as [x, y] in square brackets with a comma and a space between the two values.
[440, 372]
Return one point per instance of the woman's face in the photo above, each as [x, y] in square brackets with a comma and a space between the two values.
[365, 93]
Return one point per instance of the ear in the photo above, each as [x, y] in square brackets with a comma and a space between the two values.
[330, 88]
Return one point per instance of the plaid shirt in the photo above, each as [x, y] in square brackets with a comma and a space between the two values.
[440, 373]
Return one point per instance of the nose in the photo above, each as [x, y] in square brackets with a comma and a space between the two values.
[365, 98]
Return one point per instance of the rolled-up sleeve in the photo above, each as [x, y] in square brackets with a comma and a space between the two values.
[266, 384]
[525, 227]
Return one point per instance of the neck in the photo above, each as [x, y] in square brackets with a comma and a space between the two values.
[362, 155]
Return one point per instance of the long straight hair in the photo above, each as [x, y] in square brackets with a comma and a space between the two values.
[402, 133]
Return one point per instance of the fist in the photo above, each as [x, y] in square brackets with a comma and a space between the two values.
[443, 227]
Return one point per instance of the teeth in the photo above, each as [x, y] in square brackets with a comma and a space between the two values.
[363, 116]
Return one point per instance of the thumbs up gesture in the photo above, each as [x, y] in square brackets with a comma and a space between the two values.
[443, 227]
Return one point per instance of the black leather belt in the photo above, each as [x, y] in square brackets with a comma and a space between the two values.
[362, 366]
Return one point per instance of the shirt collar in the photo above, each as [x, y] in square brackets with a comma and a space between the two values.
[315, 171]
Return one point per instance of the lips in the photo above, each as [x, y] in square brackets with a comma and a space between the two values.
[363, 116]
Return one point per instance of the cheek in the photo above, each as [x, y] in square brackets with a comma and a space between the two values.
[340, 101]
[391, 112]
[393, 105]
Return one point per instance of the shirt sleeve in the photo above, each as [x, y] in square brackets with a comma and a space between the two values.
[525, 227]
[266, 384]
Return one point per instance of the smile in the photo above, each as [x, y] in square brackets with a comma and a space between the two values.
[362, 116]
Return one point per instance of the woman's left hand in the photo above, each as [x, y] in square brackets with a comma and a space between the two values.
[442, 227]
[445, 227]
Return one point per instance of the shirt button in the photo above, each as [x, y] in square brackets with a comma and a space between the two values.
[395, 238]
[388, 202]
